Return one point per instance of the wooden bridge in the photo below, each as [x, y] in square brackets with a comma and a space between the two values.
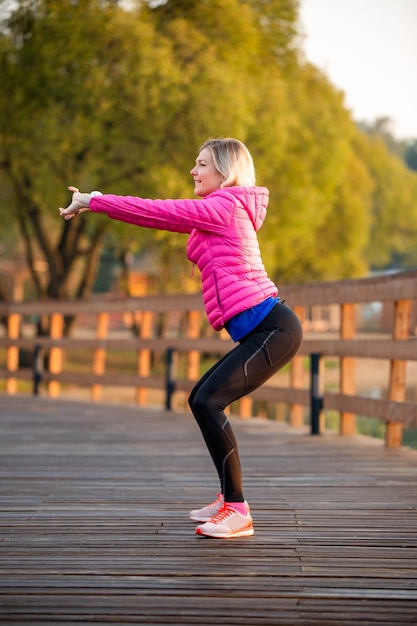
[94, 497]
[94, 502]
[143, 329]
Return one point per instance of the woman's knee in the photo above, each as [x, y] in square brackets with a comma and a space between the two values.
[197, 402]
[202, 403]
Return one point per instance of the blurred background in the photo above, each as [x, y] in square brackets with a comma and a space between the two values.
[118, 96]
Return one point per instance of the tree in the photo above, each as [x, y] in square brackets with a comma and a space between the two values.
[393, 226]
[120, 101]
[233, 86]
[89, 116]
[123, 105]
[318, 220]
[410, 154]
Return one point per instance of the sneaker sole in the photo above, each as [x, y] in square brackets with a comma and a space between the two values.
[246, 532]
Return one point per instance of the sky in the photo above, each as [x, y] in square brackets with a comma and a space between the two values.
[368, 49]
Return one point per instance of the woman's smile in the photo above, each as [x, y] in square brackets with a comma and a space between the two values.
[206, 178]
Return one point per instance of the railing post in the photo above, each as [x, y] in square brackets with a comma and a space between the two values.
[12, 352]
[347, 367]
[297, 376]
[169, 380]
[146, 322]
[401, 332]
[316, 398]
[99, 355]
[37, 368]
[55, 353]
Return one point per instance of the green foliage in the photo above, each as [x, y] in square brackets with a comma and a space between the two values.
[319, 188]
[393, 228]
[410, 154]
[102, 97]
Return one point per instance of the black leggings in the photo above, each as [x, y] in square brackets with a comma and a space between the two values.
[259, 355]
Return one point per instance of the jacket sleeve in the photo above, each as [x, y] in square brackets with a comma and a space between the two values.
[212, 213]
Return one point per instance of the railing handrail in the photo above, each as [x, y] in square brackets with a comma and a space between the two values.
[384, 288]
[398, 346]
[403, 349]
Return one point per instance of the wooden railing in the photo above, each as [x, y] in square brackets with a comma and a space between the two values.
[330, 313]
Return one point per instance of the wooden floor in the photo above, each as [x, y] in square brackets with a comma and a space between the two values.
[94, 502]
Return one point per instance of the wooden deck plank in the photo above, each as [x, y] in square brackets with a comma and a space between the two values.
[93, 523]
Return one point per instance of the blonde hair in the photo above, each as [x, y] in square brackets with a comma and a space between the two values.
[233, 160]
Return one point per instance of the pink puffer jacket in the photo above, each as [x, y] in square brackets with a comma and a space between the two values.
[222, 243]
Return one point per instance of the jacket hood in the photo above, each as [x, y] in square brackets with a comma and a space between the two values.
[253, 199]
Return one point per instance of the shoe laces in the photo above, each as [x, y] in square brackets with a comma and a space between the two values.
[225, 512]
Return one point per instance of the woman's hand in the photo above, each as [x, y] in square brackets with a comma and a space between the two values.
[79, 204]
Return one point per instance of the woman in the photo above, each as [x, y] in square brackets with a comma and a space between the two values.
[237, 294]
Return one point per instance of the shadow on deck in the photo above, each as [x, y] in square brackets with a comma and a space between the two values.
[94, 504]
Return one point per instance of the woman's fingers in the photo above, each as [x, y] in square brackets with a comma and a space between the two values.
[78, 204]
[68, 213]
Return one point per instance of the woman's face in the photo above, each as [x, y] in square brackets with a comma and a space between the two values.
[206, 178]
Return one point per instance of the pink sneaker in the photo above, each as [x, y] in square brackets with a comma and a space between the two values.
[207, 512]
[227, 523]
